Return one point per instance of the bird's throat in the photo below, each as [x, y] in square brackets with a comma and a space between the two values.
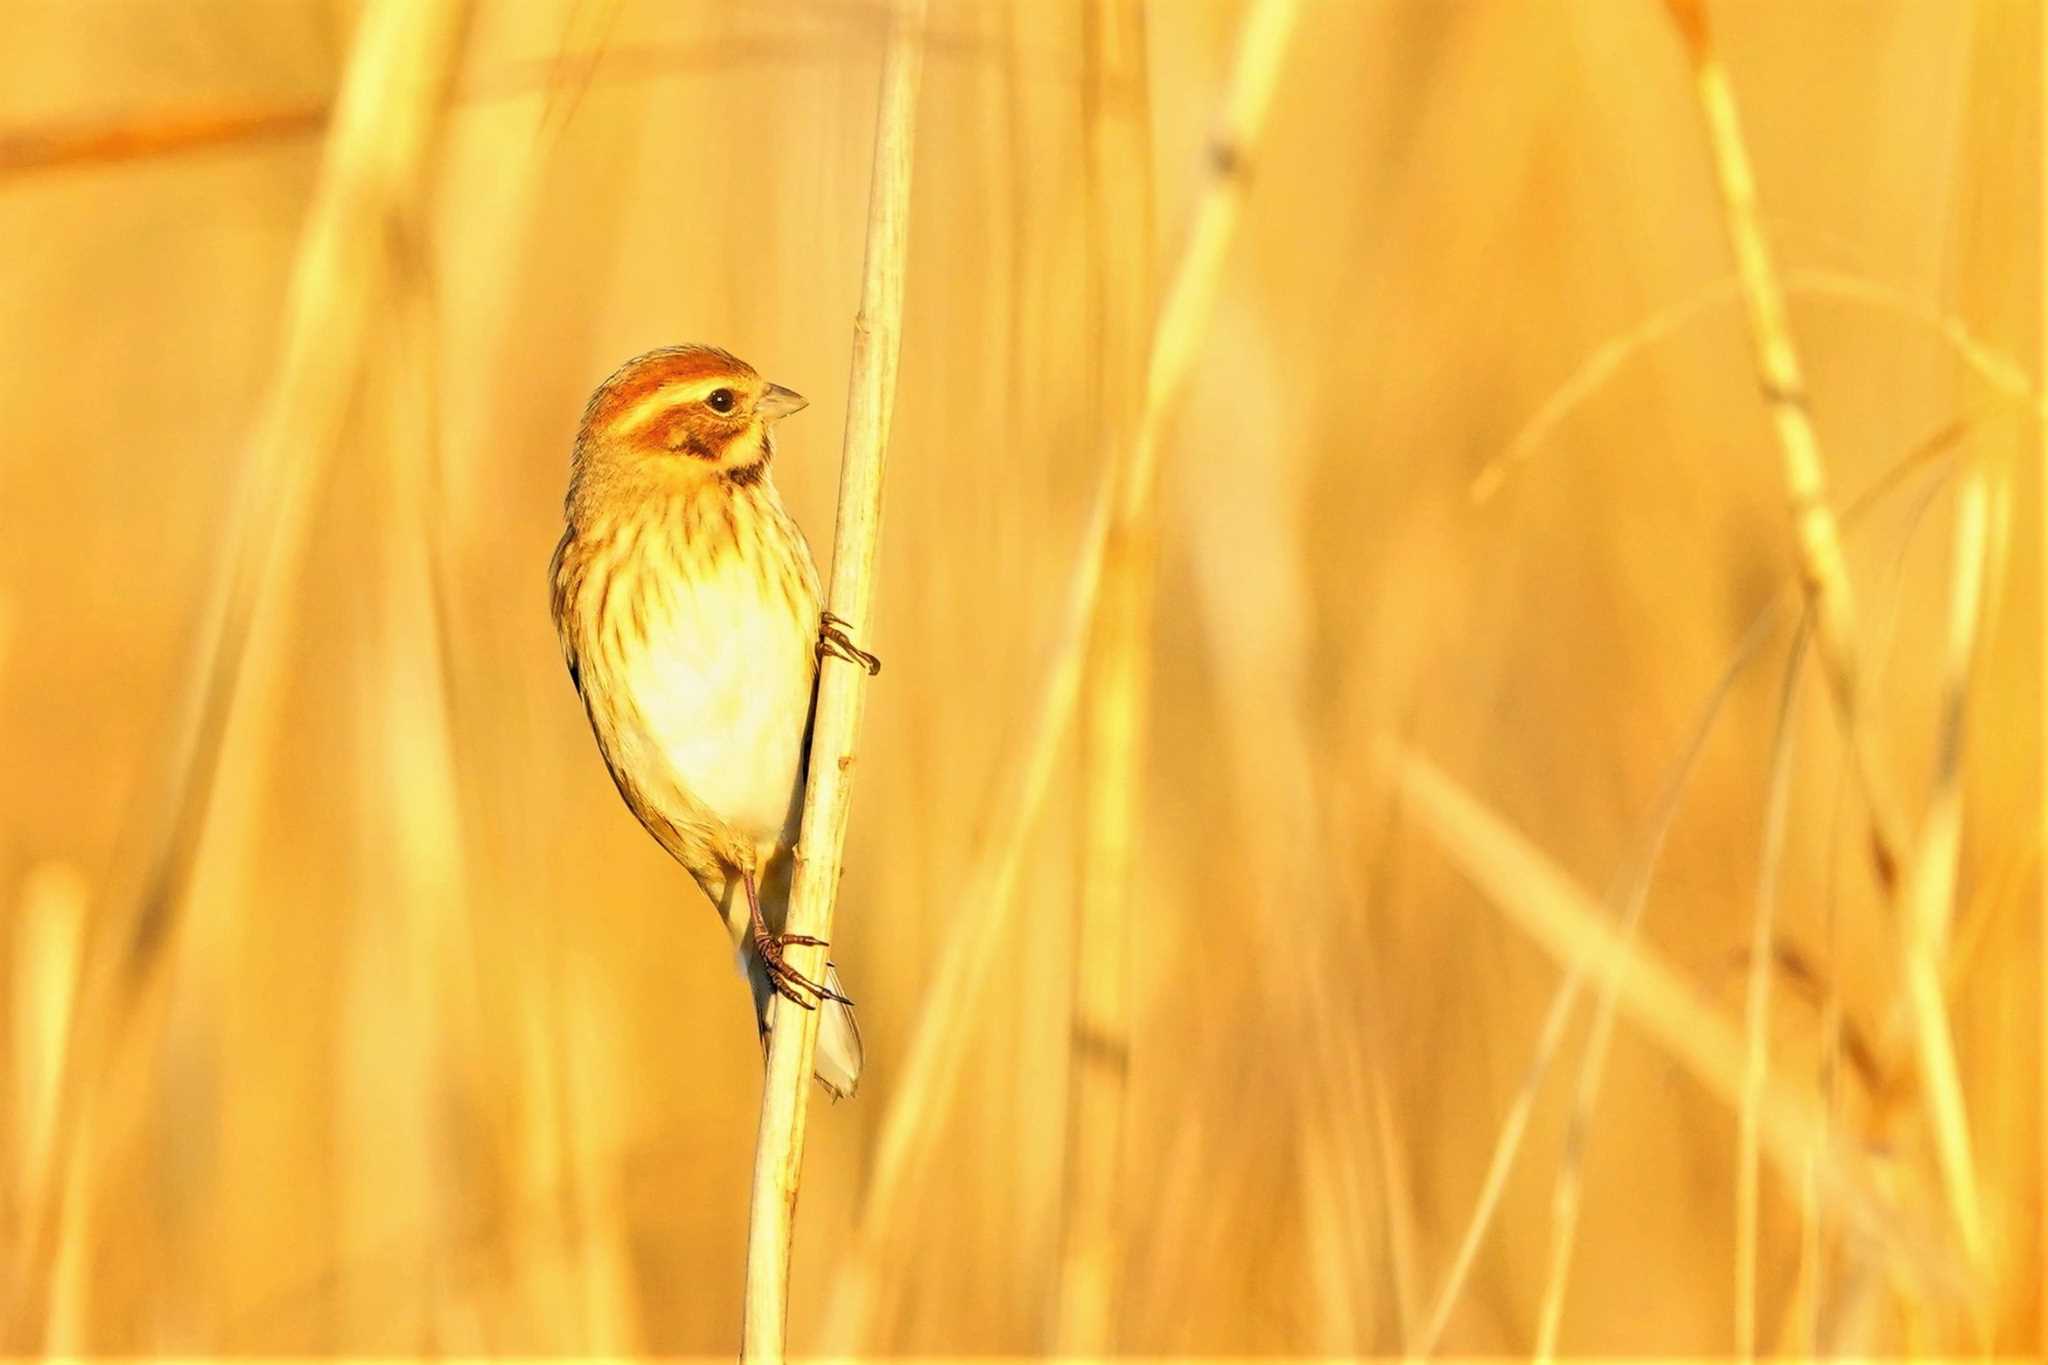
[746, 475]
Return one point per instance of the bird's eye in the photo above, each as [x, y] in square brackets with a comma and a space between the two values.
[720, 400]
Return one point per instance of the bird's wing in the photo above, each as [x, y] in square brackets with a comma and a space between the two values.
[565, 570]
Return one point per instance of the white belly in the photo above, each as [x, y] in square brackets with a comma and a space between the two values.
[722, 688]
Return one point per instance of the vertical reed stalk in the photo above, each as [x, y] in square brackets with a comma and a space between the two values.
[1757, 1012]
[47, 930]
[2041, 714]
[779, 1148]
[1119, 200]
[1930, 894]
[1823, 568]
[938, 1047]
[1831, 604]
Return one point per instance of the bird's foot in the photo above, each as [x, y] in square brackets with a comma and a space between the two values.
[789, 983]
[833, 639]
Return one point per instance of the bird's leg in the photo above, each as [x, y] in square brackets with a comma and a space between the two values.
[788, 982]
[833, 639]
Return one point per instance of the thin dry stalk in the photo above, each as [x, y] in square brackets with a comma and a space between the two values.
[2041, 718]
[1507, 1143]
[1593, 374]
[1830, 599]
[1828, 1083]
[1567, 1195]
[49, 930]
[1339, 1297]
[871, 396]
[1930, 894]
[1631, 892]
[408, 1023]
[966, 964]
[1119, 200]
[1757, 1012]
[1253, 592]
[1387, 1251]
[585, 40]
[1546, 904]
[1823, 567]
[159, 133]
[387, 117]
[1400, 1204]
[1929, 967]
[1807, 1310]
[2005, 375]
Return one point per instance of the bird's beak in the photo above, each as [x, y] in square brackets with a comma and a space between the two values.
[776, 403]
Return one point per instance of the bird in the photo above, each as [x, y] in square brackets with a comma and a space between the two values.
[687, 604]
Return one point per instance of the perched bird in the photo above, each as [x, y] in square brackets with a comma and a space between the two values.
[687, 604]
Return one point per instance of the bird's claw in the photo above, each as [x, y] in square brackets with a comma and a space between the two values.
[833, 639]
[789, 983]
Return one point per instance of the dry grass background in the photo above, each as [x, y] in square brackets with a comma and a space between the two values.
[432, 1048]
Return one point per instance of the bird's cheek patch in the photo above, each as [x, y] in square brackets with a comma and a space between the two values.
[677, 431]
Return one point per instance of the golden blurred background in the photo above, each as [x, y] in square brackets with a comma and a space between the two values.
[347, 1009]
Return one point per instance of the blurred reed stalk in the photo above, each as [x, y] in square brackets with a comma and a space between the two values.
[1990, 364]
[966, 968]
[1633, 894]
[1930, 894]
[1985, 363]
[408, 1007]
[1757, 1005]
[1999, 286]
[174, 130]
[1823, 567]
[385, 128]
[871, 395]
[1118, 199]
[1824, 572]
[1542, 900]
[1632, 890]
[2040, 156]
[1256, 599]
[48, 928]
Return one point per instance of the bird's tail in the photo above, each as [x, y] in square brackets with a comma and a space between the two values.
[838, 1059]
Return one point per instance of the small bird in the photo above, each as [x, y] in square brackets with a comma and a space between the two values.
[687, 604]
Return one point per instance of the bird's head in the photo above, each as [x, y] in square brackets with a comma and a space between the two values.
[681, 414]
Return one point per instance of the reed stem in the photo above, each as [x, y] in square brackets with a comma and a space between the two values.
[1113, 713]
[1824, 573]
[793, 1032]
[968, 961]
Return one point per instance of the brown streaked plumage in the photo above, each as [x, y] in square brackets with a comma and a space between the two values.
[687, 605]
